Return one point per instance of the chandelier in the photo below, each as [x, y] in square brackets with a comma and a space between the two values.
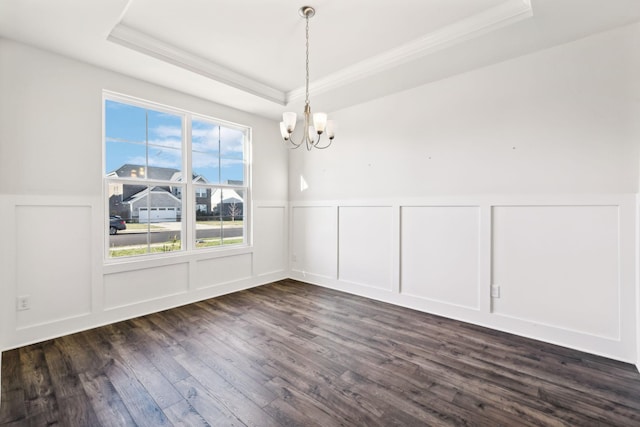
[312, 134]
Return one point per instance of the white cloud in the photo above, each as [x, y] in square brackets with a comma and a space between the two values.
[205, 139]
[162, 163]
[164, 131]
[175, 144]
[227, 163]
[204, 160]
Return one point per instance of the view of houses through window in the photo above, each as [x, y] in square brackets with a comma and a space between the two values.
[152, 207]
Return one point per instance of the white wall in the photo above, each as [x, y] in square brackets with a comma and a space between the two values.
[426, 199]
[520, 175]
[52, 209]
[561, 121]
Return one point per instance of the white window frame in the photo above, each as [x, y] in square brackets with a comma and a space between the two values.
[187, 186]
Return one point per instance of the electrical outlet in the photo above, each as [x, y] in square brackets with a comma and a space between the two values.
[294, 258]
[495, 291]
[24, 302]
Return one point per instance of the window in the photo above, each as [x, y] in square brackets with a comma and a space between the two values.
[153, 209]
[217, 155]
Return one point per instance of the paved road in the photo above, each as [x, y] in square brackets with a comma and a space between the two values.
[131, 239]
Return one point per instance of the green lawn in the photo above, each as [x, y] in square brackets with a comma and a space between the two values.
[169, 246]
[237, 222]
[142, 226]
[206, 243]
[137, 226]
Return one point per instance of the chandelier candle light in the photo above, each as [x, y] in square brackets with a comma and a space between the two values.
[311, 138]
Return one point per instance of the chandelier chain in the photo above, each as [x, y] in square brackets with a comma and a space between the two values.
[307, 63]
[314, 126]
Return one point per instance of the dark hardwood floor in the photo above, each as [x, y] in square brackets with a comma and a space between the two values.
[299, 355]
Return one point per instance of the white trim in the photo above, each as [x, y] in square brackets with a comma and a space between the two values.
[637, 281]
[474, 26]
[133, 39]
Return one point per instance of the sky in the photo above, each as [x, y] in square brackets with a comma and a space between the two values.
[131, 132]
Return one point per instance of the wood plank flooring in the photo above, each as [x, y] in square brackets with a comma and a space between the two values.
[292, 354]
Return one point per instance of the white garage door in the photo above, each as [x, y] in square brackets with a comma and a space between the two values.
[158, 214]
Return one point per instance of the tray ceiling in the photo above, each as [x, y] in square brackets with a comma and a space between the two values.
[249, 54]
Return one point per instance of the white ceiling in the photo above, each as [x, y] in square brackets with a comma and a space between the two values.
[249, 54]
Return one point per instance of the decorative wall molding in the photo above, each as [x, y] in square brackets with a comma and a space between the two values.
[606, 224]
[440, 254]
[115, 291]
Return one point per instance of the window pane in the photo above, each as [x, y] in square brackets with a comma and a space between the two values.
[148, 222]
[232, 172]
[206, 174]
[125, 159]
[133, 239]
[139, 140]
[217, 153]
[207, 217]
[117, 237]
[205, 147]
[232, 217]
[232, 156]
[164, 218]
[125, 122]
[165, 140]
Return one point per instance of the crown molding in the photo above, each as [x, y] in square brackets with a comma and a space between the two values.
[474, 26]
[133, 39]
[466, 29]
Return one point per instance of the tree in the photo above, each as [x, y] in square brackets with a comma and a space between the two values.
[234, 210]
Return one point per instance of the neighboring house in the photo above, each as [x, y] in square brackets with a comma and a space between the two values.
[135, 202]
[203, 198]
[162, 207]
[227, 203]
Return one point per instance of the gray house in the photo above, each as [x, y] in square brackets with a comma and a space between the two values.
[135, 203]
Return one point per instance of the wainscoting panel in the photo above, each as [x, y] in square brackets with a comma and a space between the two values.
[53, 262]
[559, 265]
[366, 247]
[440, 253]
[557, 268]
[219, 271]
[137, 286]
[270, 229]
[314, 249]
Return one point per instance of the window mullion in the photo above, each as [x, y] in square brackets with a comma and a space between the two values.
[188, 195]
[146, 175]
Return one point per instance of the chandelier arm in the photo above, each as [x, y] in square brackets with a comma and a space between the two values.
[308, 142]
[319, 147]
[295, 145]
